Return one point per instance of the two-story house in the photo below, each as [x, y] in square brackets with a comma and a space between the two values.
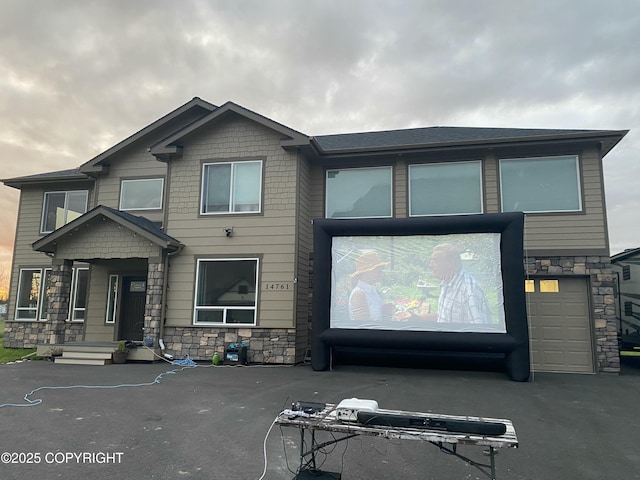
[197, 230]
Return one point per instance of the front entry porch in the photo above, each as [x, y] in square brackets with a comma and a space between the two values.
[128, 257]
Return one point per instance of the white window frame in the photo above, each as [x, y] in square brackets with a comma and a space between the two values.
[43, 295]
[551, 157]
[66, 207]
[112, 299]
[71, 316]
[477, 162]
[225, 309]
[35, 309]
[383, 167]
[233, 164]
[141, 180]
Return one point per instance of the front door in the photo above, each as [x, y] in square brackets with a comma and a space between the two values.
[134, 294]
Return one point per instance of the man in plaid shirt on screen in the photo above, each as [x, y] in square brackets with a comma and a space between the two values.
[461, 297]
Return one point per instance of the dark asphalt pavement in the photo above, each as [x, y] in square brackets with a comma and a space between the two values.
[210, 422]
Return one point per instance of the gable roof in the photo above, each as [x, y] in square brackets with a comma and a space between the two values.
[433, 137]
[140, 225]
[95, 165]
[171, 146]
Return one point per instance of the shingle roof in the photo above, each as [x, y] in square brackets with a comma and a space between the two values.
[59, 175]
[429, 136]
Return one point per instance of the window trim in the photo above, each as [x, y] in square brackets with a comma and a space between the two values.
[43, 287]
[390, 168]
[41, 294]
[36, 318]
[146, 179]
[224, 309]
[66, 206]
[233, 164]
[71, 316]
[480, 177]
[112, 299]
[579, 192]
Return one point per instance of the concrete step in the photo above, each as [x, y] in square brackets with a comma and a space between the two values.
[82, 361]
[93, 355]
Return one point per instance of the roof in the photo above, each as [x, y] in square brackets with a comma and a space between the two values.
[170, 147]
[73, 174]
[452, 136]
[140, 225]
[630, 252]
[195, 104]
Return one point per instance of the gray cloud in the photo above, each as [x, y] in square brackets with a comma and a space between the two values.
[79, 75]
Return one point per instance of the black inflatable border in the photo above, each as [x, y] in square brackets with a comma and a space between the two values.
[514, 344]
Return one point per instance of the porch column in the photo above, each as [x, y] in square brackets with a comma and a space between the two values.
[153, 304]
[59, 297]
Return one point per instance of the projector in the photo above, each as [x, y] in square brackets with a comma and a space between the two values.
[347, 410]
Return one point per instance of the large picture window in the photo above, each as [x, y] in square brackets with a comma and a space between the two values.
[543, 184]
[359, 193]
[445, 189]
[231, 187]
[141, 194]
[226, 291]
[62, 207]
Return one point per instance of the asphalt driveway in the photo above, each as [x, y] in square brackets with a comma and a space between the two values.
[211, 422]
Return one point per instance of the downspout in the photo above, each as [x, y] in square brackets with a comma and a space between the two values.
[163, 305]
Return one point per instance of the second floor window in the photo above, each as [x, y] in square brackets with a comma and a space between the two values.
[141, 194]
[62, 207]
[359, 193]
[445, 188]
[231, 187]
[542, 184]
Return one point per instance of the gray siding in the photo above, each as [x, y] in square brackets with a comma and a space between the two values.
[270, 235]
[28, 231]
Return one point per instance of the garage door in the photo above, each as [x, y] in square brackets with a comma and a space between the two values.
[559, 325]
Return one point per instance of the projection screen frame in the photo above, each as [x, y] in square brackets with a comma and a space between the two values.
[514, 343]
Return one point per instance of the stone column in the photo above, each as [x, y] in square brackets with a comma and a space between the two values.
[153, 305]
[59, 297]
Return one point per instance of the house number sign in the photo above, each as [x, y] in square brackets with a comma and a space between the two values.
[138, 286]
[278, 286]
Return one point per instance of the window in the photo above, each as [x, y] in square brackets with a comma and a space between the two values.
[359, 193]
[79, 301]
[445, 188]
[626, 272]
[231, 187]
[142, 194]
[112, 299]
[545, 184]
[34, 291]
[226, 291]
[46, 293]
[28, 294]
[62, 207]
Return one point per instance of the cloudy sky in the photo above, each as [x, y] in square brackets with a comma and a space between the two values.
[79, 75]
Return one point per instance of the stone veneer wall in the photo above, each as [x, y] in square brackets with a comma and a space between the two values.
[273, 345]
[30, 334]
[602, 300]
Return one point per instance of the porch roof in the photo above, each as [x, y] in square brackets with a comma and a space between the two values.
[139, 225]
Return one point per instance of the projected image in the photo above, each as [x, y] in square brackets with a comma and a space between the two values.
[417, 282]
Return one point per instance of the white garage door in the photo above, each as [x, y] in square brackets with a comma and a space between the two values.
[559, 325]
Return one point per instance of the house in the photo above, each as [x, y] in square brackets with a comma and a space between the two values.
[197, 230]
[626, 269]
